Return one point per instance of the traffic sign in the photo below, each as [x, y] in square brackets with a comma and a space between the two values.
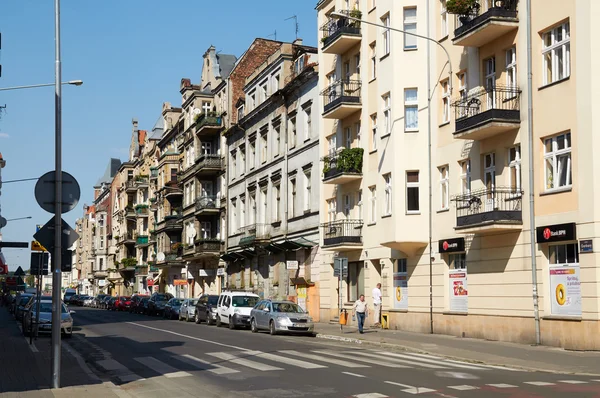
[46, 235]
[16, 245]
[38, 259]
[3, 265]
[19, 272]
[2, 222]
[340, 264]
[11, 281]
[37, 246]
[44, 192]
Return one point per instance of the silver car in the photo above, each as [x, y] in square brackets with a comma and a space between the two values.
[280, 316]
[187, 310]
[45, 326]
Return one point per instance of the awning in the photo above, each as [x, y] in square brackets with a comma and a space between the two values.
[239, 255]
[274, 248]
[229, 257]
[296, 244]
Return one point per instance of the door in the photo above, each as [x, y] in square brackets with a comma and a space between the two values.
[205, 230]
[207, 189]
[259, 313]
[265, 315]
[490, 81]
[489, 176]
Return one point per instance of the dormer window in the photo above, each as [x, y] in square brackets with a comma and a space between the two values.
[299, 64]
[240, 112]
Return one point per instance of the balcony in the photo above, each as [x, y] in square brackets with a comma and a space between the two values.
[255, 234]
[208, 123]
[339, 35]
[100, 274]
[209, 246]
[341, 99]
[142, 181]
[141, 210]
[173, 223]
[488, 20]
[130, 186]
[127, 239]
[208, 205]
[142, 241]
[343, 166]
[484, 113]
[489, 211]
[172, 190]
[188, 250]
[342, 234]
[141, 270]
[209, 164]
[129, 212]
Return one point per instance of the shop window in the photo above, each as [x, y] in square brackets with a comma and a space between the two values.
[563, 254]
[457, 261]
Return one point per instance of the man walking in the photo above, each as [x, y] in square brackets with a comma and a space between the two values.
[360, 310]
[377, 304]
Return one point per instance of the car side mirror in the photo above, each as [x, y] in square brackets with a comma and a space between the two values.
[71, 312]
[267, 309]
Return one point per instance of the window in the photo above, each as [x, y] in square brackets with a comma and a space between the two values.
[356, 281]
[263, 91]
[443, 19]
[445, 101]
[372, 48]
[347, 205]
[357, 130]
[489, 171]
[387, 179]
[253, 209]
[252, 101]
[444, 191]
[412, 192]
[347, 70]
[557, 156]
[307, 123]
[400, 265]
[511, 68]
[347, 137]
[374, 132]
[252, 154]
[373, 207]
[462, 93]
[331, 210]
[357, 65]
[277, 133]
[275, 82]
[173, 175]
[332, 140]
[299, 64]
[556, 53]
[307, 190]
[387, 115]
[263, 147]
[240, 112]
[242, 212]
[457, 261]
[242, 161]
[293, 197]
[411, 110]
[263, 205]
[465, 177]
[514, 165]
[293, 134]
[410, 26]
[205, 148]
[372, 2]
[277, 200]
[359, 211]
[564, 254]
[233, 218]
[385, 35]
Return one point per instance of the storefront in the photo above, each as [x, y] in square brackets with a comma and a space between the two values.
[453, 252]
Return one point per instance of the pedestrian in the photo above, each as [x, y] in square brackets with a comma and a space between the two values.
[360, 311]
[377, 304]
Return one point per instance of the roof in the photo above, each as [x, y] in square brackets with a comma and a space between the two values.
[157, 130]
[111, 170]
[226, 64]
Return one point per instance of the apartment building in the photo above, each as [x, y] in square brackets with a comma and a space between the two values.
[480, 269]
[83, 266]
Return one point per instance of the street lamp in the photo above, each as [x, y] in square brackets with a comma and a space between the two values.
[71, 82]
[20, 218]
[429, 96]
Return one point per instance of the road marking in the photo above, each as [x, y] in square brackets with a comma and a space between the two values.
[189, 337]
[573, 381]
[123, 374]
[205, 365]
[244, 362]
[425, 365]
[501, 385]
[418, 390]
[352, 358]
[354, 375]
[398, 384]
[540, 383]
[287, 361]
[434, 361]
[464, 387]
[162, 368]
[371, 395]
[339, 362]
[463, 363]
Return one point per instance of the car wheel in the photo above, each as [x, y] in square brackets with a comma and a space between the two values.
[253, 326]
[231, 325]
[219, 321]
[68, 335]
[187, 317]
[208, 321]
[272, 329]
[197, 318]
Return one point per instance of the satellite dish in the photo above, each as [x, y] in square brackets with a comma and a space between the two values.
[196, 111]
[193, 232]
[160, 256]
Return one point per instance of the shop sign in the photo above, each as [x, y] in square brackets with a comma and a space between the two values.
[220, 271]
[150, 282]
[556, 233]
[291, 264]
[459, 294]
[400, 290]
[206, 272]
[180, 282]
[565, 290]
[452, 245]
[586, 246]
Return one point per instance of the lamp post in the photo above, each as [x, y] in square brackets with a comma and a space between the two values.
[19, 218]
[429, 96]
[71, 82]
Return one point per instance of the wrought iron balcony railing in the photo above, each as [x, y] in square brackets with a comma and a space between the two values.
[489, 206]
[340, 92]
[483, 11]
[207, 202]
[342, 232]
[336, 27]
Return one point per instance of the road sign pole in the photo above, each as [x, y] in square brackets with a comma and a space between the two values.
[56, 258]
[39, 294]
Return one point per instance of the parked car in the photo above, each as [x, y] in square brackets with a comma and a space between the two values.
[135, 299]
[206, 309]
[23, 299]
[96, 301]
[45, 326]
[157, 302]
[110, 304]
[280, 316]
[105, 301]
[188, 309]
[79, 299]
[69, 293]
[122, 303]
[142, 306]
[73, 299]
[233, 308]
[171, 310]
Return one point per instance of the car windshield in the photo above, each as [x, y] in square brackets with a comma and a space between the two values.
[162, 297]
[46, 306]
[176, 302]
[287, 307]
[213, 300]
[244, 301]
[145, 300]
[24, 300]
[193, 301]
[125, 298]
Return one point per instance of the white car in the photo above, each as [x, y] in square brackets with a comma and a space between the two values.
[233, 308]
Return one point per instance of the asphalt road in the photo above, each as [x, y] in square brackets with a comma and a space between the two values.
[151, 357]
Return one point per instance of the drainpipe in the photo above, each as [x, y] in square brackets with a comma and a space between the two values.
[430, 220]
[285, 180]
[536, 310]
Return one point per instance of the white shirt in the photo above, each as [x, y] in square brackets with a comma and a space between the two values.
[360, 306]
[376, 296]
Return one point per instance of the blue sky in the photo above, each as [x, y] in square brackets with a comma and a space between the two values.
[131, 55]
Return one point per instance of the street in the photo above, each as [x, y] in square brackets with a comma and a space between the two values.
[148, 356]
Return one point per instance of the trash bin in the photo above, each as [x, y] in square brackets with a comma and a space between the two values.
[385, 323]
[343, 317]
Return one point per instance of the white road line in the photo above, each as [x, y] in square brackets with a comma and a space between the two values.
[371, 395]
[540, 383]
[464, 387]
[339, 362]
[437, 361]
[418, 390]
[398, 384]
[205, 365]
[189, 337]
[352, 358]
[244, 362]
[501, 385]
[463, 362]
[353, 375]
[287, 361]
[162, 368]
[572, 381]
[405, 361]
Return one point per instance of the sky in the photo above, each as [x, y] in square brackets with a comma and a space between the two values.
[131, 56]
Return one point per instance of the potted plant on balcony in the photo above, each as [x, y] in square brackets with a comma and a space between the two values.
[350, 160]
[355, 13]
[461, 7]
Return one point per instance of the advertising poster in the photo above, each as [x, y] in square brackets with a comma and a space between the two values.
[301, 291]
[400, 290]
[565, 290]
[459, 294]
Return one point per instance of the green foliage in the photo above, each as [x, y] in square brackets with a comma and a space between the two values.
[460, 7]
[128, 262]
[348, 160]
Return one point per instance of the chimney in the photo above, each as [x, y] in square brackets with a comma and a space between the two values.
[134, 122]
[297, 42]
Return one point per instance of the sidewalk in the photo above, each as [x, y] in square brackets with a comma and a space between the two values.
[490, 352]
[26, 369]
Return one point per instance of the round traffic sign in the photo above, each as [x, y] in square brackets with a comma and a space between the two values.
[2, 222]
[44, 192]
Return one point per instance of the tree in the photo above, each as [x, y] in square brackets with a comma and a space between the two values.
[30, 280]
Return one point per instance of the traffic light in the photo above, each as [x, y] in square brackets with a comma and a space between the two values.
[67, 261]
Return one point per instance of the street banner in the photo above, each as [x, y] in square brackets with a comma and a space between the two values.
[459, 295]
[565, 290]
[400, 290]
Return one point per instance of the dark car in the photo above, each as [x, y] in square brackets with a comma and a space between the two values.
[142, 306]
[157, 302]
[80, 299]
[73, 300]
[105, 301]
[110, 304]
[97, 300]
[135, 300]
[172, 308]
[206, 309]
[24, 298]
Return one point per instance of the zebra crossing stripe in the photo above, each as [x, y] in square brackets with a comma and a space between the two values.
[205, 365]
[463, 388]
[243, 362]
[371, 395]
[162, 368]
[318, 358]
[540, 383]
[439, 361]
[285, 360]
[405, 361]
[365, 360]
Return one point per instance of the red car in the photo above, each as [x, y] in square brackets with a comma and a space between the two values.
[123, 303]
